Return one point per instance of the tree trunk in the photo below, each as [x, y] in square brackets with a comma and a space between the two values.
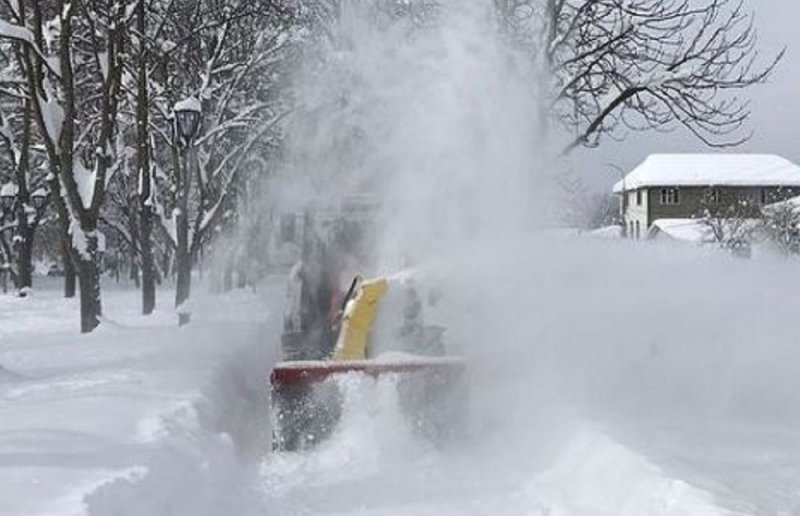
[91, 309]
[26, 228]
[227, 276]
[144, 172]
[148, 265]
[241, 273]
[25, 264]
[166, 264]
[89, 281]
[69, 269]
[133, 273]
[6, 259]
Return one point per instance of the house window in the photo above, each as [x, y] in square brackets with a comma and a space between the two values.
[638, 197]
[765, 196]
[670, 196]
[714, 196]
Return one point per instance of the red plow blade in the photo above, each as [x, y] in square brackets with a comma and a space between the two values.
[306, 407]
[305, 372]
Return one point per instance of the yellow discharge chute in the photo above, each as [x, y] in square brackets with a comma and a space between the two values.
[357, 320]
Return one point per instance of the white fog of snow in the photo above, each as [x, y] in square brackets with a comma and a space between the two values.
[607, 377]
[440, 123]
[615, 379]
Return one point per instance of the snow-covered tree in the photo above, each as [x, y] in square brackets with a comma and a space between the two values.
[93, 85]
[230, 62]
[24, 180]
[731, 226]
[71, 64]
[781, 226]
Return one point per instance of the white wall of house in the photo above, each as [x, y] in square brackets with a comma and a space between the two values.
[636, 213]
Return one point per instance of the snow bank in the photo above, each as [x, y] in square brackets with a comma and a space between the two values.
[133, 417]
[610, 232]
[189, 471]
[596, 476]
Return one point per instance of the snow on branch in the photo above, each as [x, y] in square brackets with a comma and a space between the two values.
[24, 35]
[52, 114]
[85, 181]
[213, 212]
[86, 243]
[16, 32]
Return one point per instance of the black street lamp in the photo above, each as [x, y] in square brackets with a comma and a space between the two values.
[39, 198]
[185, 116]
[186, 120]
[8, 194]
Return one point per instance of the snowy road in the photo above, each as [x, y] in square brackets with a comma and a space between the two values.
[752, 466]
[80, 411]
[145, 419]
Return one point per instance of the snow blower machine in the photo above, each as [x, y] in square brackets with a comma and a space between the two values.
[372, 331]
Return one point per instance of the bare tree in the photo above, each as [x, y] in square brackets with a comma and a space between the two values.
[614, 66]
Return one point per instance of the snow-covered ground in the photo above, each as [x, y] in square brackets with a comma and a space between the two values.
[79, 411]
[662, 383]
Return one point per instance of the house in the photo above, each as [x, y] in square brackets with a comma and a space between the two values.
[688, 186]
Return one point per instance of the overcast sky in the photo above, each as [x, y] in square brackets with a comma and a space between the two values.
[776, 106]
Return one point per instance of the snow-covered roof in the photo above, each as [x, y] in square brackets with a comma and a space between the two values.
[685, 230]
[711, 170]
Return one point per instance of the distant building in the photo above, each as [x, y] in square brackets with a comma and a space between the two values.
[687, 186]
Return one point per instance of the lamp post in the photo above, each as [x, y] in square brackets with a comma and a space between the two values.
[39, 198]
[185, 120]
[8, 195]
